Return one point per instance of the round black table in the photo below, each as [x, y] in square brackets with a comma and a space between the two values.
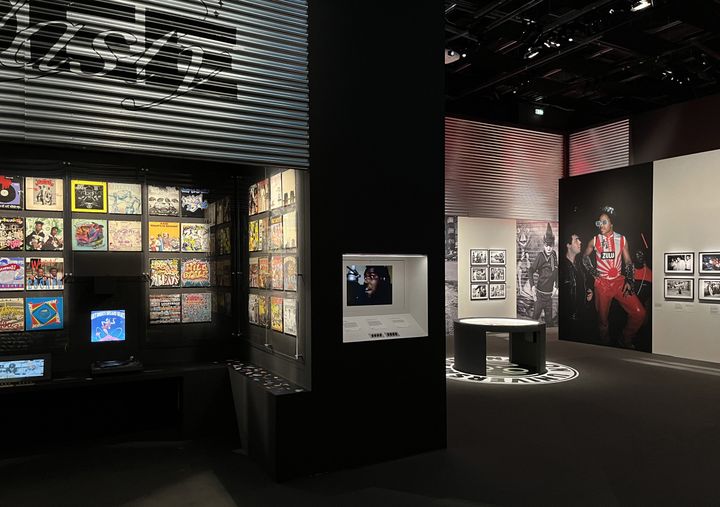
[527, 343]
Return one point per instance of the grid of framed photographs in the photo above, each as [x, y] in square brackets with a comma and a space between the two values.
[487, 274]
[683, 263]
[273, 247]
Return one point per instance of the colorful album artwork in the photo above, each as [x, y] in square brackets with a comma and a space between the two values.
[89, 234]
[263, 234]
[276, 232]
[276, 313]
[43, 194]
[12, 273]
[164, 236]
[195, 273]
[222, 241]
[107, 326]
[290, 272]
[125, 236]
[44, 273]
[264, 279]
[12, 233]
[252, 309]
[164, 308]
[43, 313]
[88, 196]
[224, 275]
[197, 307]
[195, 238]
[290, 230]
[263, 311]
[193, 202]
[253, 200]
[263, 195]
[223, 211]
[290, 316]
[125, 198]
[276, 195]
[11, 192]
[210, 214]
[288, 187]
[12, 314]
[164, 201]
[254, 278]
[253, 236]
[42, 233]
[164, 273]
[276, 272]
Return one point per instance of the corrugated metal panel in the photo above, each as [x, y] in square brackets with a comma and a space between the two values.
[600, 148]
[495, 171]
[212, 79]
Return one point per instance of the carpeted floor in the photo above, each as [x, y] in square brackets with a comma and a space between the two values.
[633, 429]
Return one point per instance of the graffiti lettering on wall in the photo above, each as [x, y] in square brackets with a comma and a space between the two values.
[142, 49]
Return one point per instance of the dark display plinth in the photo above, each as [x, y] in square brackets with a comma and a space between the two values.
[527, 343]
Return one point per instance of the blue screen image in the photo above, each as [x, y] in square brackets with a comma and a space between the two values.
[22, 368]
[107, 326]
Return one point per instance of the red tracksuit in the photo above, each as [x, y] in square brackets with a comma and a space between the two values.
[609, 285]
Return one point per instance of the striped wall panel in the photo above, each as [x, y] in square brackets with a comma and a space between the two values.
[600, 148]
[209, 79]
[495, 171]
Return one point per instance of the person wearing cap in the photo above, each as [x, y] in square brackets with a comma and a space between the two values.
[37, 237]
[614, 274]
[546, 267]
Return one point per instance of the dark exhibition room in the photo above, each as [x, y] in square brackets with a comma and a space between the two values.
[255, 253]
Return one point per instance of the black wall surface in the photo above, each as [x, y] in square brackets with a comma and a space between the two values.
[680, 129]
[629, 190]
[376, 166]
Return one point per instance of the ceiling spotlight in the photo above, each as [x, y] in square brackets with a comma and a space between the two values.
[464, 55]
[640, 5]
[531, 53]
[570, 39]
[539, 111]
[451, 56]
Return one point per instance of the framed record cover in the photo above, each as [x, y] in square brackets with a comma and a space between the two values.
[164, 201]
[12, 273]
[43, 314]
[11, 192]
[164, 236]
[12, 233]
[125, 198]
[125, 236]
[195, 273]
[164, 309]
[195, 238]
[89, 235]
[193, 202]
[12, 314]
[43, 233]
[45, 273]
[290, 316]
[43, 194]
[88, 196]
[164, 273]
[196, 307]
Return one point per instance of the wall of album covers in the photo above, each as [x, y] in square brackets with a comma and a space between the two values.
[273, 262]
[168, 244]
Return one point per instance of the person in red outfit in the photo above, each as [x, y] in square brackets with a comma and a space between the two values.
[614, 275]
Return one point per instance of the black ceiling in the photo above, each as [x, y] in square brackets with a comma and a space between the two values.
[596, 60]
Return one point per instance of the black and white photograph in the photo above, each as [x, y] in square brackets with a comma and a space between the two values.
[679, 288]
[479, 274]
[478, 291]
[709, 263]
[497, 291]
[497, 274]
[709, 289]
[497, 257]
[680, 263]
[478, 257]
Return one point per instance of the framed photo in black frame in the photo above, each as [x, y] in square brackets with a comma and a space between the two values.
[679, 288]
[709, 263]
[680, 263]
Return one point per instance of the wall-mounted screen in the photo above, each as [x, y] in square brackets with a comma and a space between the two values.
[368, 285]
[24, 368]
[107, 326]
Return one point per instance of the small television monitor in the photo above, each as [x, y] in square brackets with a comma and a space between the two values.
[28, 368]
[369, 285]
[107, 326]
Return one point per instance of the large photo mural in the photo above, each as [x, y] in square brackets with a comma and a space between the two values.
[605, 276]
